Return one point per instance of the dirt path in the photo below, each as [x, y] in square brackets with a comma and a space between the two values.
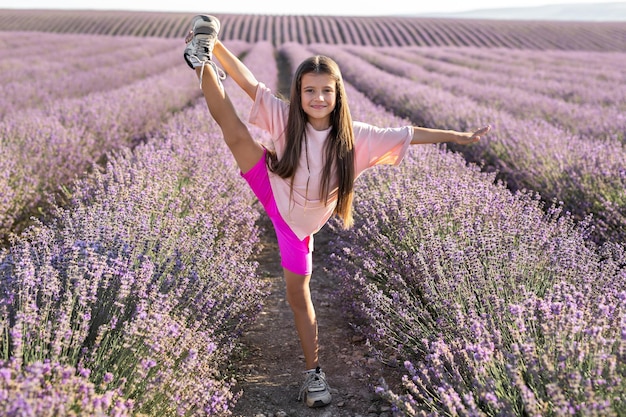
[274, 363]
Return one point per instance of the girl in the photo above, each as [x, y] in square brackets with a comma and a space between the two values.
[309, 176]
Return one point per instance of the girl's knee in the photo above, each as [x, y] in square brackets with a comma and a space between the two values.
[298, 291]
[299, 299]
[301, 307]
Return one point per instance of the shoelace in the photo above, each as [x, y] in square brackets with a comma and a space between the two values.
[315, 381]
[207, 45]
[221, 75]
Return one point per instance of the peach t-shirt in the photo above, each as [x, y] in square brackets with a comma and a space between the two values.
[303, 210]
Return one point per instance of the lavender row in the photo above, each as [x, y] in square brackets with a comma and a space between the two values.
[113, 67]
[157, 254]
[493, 306]
[587, 176]
[69, 53]
[142, 286]
[43, 149]
[260, 57]
[594, 116]
[53, 46]
[572, 82]
[356, 30]
[86, 73]
[537, 70]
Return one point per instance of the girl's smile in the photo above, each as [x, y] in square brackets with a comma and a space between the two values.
[319, 97]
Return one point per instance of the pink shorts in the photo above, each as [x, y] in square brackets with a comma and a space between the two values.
[296, 255]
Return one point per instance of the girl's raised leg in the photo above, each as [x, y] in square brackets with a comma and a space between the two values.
[198, 54]
[245, 149]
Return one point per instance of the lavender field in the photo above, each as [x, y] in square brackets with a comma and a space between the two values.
[349, 30]
[495, 273]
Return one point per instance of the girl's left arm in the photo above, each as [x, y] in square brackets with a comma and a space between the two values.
[423, 135]
[236, 69]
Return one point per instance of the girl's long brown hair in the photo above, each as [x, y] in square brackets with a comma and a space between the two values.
[339, 146]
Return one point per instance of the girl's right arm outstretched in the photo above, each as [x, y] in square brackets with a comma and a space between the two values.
[236, 69]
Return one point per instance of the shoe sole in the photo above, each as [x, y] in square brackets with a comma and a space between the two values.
[320, 402]
[205, 30]
[208, 19]
[211, 30]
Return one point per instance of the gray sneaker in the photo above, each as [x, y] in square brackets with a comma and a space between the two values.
[201, 40]
[315, 390]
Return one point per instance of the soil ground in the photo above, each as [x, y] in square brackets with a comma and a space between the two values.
[273, 365]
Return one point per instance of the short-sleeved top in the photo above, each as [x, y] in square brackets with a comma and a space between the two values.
[303, 209]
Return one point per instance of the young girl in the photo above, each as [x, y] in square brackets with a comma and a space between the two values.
[309, 176]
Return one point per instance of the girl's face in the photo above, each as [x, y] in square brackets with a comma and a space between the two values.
[319, 95]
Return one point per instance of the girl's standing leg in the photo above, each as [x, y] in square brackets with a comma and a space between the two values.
[299, 298]
[315, 390]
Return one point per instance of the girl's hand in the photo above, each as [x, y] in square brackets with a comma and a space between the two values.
[475, 136]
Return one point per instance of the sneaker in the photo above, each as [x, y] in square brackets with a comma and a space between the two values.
[201, 40]
[315, 391]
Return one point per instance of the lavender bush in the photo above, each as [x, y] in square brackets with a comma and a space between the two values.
[43, 149]
[563, 358]
[137, 291]
[63, 391]
[496, 307]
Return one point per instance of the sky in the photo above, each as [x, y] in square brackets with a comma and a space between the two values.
[306, 7]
